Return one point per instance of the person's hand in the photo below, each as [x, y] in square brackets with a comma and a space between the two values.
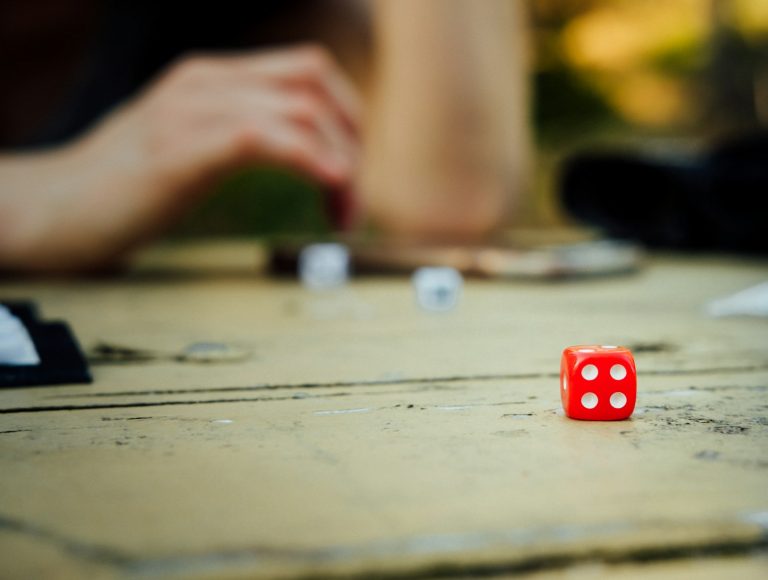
[86, 204]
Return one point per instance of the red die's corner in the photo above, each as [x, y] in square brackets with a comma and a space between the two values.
[598, 383]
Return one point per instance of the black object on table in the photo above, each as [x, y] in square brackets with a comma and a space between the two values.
[61, 360]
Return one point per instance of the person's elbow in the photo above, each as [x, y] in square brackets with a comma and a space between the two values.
[466, 215]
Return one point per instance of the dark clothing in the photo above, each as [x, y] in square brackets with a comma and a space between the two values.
[718, 201]
[136, 41]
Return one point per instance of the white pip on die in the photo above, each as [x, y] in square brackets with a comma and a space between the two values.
[438, 289]
[324, 266]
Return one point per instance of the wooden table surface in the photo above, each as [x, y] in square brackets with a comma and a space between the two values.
[363, 436]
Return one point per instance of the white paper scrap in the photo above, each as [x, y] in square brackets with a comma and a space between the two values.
[16, 346]
[750, 302]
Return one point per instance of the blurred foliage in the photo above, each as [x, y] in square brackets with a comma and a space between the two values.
[260, 202]
[565, 106]
[681, 59]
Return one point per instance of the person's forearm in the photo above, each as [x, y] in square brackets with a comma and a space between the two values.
[448, 149]
[87, 204]
[54, 209]
[29, 184]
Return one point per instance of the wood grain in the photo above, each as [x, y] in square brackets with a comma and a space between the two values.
[363, 436]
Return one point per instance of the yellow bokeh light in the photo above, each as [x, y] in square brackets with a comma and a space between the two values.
[751, 16]
[650, 99]
[622, 35]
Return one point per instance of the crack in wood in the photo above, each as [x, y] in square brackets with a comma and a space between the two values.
[77, 548]
[214, 561]
[316, 385]
[140, 404]
[400, 381]
[57, 408]
[562, 561]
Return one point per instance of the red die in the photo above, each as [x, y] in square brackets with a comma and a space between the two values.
[598, 383]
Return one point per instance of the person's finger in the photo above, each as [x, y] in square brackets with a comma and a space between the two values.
[292, 71]
[308, 109]
[242, 106]
[282, 144]
[305, 66]
[315, 147]
[329, 82]
[304, 148]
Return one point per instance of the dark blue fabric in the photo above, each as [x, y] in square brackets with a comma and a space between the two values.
[135, 41]
[716, 201]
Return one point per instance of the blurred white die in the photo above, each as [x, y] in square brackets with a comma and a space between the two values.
[324, 266]
[437, 288]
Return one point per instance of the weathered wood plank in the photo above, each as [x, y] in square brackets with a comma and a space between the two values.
[480, 471]
[321, 454]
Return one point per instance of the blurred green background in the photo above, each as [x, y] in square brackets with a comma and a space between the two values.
[628, 73]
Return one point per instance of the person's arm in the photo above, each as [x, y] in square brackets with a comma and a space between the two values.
[85, 204]
[448, 144]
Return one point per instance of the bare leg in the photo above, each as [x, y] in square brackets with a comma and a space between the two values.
[447, 130]
[449, 142]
